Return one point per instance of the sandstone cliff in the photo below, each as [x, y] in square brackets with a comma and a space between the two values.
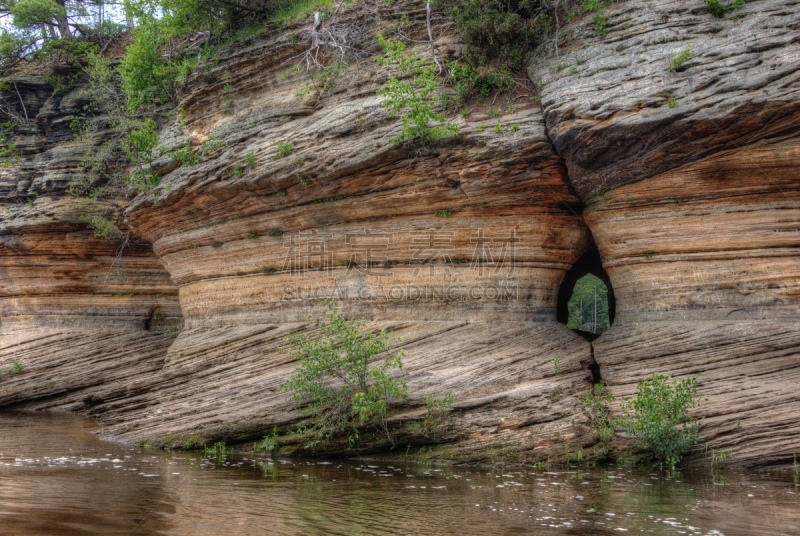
[460, 250]
[694, 204]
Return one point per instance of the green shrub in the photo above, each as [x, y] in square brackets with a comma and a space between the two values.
[147, 78]
[8, 152]
[186, 156]
[414, 100]
[468, 81]
[599, 22]
[154, 61]
[436, 408]
[17, 367]
[658, 416]
[141, 142]
[597, 402]
[287, 11]
[588, 305]
[680, 60]
[444, 213]
[212, 145]
[270, 443]
[103, 228]
[499, 32]
[284, 148]
[592, 6]
[217, 451]
[335, 377]
[718, 9]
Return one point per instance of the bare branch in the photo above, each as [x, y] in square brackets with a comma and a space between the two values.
[430, 37]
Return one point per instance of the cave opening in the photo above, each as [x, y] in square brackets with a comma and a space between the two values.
[585, 299]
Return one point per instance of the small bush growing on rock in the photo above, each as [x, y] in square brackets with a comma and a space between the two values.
[658, 416]
[103, 228]
[436, 409]
[597, 402]
[270, 443]
[600, 22]
[217, 451]
[680, 60]
[284, 148]
[500, 32]
[336, 379]
[718, 9]
[212, 145]
[186, 156]
[415, 100]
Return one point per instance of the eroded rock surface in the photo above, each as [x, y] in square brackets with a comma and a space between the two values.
[83, 317]
[690, 177]
[459, 250]
[694, 205]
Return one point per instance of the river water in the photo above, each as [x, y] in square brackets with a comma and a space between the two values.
[56, 477]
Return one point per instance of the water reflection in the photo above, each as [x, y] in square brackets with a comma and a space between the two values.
[57, 478]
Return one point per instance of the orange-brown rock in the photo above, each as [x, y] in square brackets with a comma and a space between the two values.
[458, 249]
[80, 314]
[694, 205]
[693, 200]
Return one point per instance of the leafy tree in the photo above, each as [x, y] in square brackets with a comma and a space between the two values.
[588, 305]
[336, 378]
[49, 15]
[658, 416]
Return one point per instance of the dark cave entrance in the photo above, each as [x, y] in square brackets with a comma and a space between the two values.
[586, 299]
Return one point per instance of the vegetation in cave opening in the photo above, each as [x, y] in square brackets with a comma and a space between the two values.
[588, 306]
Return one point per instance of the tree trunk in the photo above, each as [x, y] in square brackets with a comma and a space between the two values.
[63, 25]
[126, 6]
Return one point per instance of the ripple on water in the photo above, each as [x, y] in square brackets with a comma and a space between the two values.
[58, 478]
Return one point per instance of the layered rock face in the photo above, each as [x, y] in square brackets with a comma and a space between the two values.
[693, 186]
[457, 250]
[80, 314]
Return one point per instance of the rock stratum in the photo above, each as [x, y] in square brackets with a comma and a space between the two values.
[690, 181]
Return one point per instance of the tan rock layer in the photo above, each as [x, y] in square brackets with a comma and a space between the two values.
[694, 209]
[607, 98]
[693, 187]
[224, 382]
[479, 229]
[712, 239]
[748, 373]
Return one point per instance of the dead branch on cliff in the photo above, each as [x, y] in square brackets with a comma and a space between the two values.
[341, 43]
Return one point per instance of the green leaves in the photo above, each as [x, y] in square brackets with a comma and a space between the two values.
[597, 402]
[415, 97]
[588, 305]
[146, 77]
[658, 416]
[718, 9]
[497, 31]
[29, 13]
[680, 60]
[337, 381]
